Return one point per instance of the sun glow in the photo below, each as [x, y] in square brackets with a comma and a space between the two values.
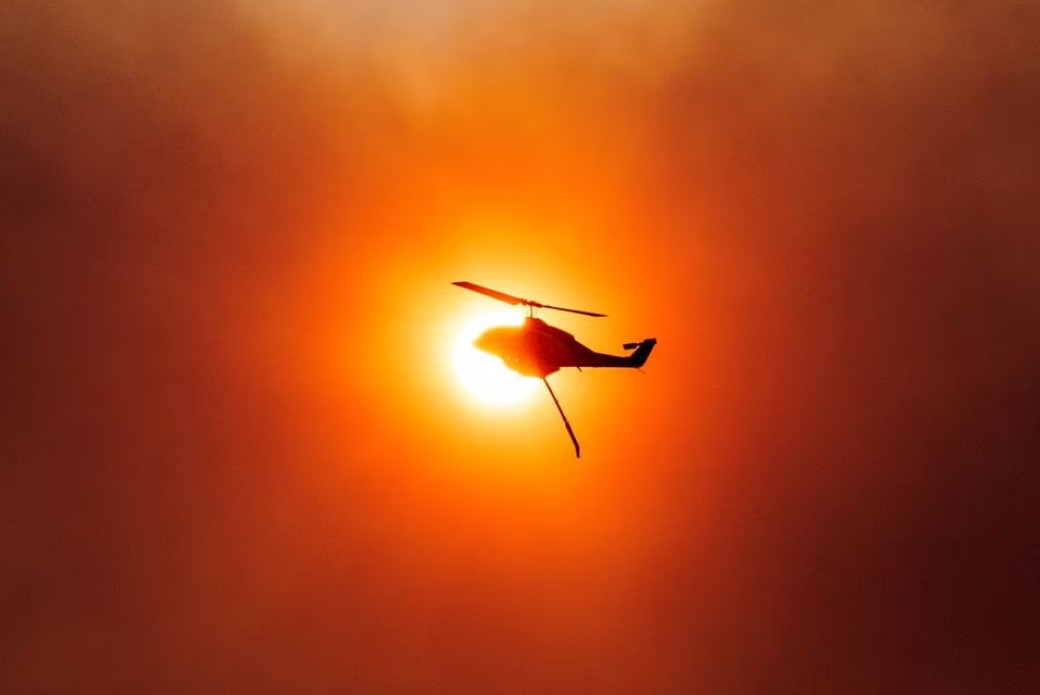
[482, 375]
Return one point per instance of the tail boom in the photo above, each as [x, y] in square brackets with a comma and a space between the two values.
[634, 361]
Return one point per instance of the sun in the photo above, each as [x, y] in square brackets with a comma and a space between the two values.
[482, 375]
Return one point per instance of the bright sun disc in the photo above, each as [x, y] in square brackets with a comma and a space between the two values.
[483, 375]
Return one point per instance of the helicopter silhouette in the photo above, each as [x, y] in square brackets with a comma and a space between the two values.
[537, 349]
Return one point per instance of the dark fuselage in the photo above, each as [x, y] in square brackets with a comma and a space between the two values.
[538, 349]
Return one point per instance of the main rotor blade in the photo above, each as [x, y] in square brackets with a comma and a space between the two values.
[510, 299]
[494, 294]
[573, 311]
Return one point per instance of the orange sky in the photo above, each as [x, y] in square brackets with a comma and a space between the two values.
[235, 458]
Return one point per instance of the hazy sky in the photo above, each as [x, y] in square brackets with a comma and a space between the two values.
[233, 455]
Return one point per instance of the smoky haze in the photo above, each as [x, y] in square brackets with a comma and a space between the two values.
[827, 214]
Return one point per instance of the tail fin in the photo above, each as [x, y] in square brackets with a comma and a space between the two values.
[643, 349]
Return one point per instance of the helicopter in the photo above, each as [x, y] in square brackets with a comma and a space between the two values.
[536, 349]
